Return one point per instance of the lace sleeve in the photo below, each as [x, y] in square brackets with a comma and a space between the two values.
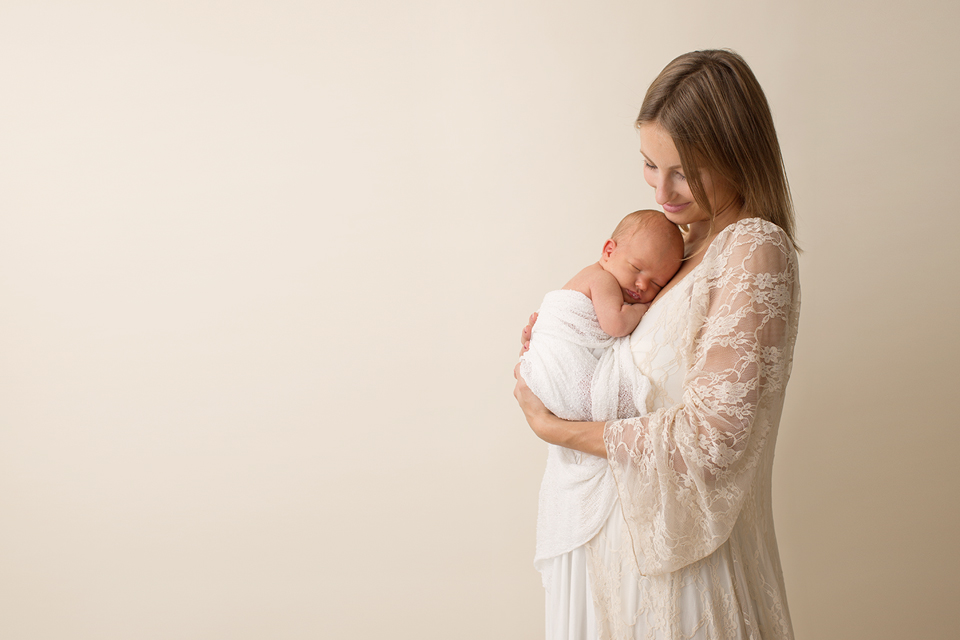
[683, 472]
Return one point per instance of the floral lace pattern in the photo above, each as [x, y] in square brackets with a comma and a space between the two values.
[694, 554]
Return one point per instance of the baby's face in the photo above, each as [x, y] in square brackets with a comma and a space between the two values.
[642, 264]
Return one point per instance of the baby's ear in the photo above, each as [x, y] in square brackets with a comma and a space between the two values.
[608, 248]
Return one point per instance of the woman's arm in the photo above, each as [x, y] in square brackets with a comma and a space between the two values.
[684, 472]
[741, 355]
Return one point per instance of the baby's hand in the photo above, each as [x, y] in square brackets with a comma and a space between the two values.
[624, 320]
[637, 311]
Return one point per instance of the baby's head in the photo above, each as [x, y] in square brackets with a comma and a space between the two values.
[643, 253]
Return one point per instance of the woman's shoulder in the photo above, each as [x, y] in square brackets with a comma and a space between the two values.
[755, 230]
[756, 233]
[755, 242]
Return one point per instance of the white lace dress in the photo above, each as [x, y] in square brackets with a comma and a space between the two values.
[690, 551]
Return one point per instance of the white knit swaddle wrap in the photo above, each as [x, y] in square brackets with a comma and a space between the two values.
[578, 490]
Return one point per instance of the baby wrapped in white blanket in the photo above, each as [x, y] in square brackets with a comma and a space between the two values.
[580, 366]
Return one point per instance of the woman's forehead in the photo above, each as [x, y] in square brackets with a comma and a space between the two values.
[657, 145]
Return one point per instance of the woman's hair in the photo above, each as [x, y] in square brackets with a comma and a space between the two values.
[711, 105]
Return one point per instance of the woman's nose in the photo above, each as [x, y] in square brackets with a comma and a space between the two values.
[662, 192]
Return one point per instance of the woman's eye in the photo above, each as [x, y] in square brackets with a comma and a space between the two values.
[680, 176]
[648, 165]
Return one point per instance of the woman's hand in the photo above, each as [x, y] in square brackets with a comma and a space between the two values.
[536, 413]
[580, 436]
[525, 334]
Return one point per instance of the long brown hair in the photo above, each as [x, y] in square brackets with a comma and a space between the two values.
[711, 105]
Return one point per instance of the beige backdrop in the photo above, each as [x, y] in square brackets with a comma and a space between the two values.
[263, 265]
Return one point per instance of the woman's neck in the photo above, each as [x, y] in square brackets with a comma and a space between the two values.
[701, 234]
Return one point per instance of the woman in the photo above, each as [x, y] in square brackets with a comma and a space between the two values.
[690, 550]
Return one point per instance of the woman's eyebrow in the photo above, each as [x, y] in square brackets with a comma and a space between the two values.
[676, 166]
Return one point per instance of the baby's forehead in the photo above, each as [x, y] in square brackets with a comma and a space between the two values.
[653, 234]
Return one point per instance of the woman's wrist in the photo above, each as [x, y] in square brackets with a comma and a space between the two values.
[588, 437]
[548, 427]
[579, 436]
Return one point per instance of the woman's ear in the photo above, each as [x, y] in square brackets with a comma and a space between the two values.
[608, 248]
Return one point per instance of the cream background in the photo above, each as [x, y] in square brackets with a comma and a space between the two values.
[263, 266]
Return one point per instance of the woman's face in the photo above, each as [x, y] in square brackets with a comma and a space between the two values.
[662, 171]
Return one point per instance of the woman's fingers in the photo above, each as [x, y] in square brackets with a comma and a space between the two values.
[523, 394]
[521, 385]
[525, 334]
[533, 409]
[520, 390]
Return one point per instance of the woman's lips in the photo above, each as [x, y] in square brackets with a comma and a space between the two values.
[675, 208]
